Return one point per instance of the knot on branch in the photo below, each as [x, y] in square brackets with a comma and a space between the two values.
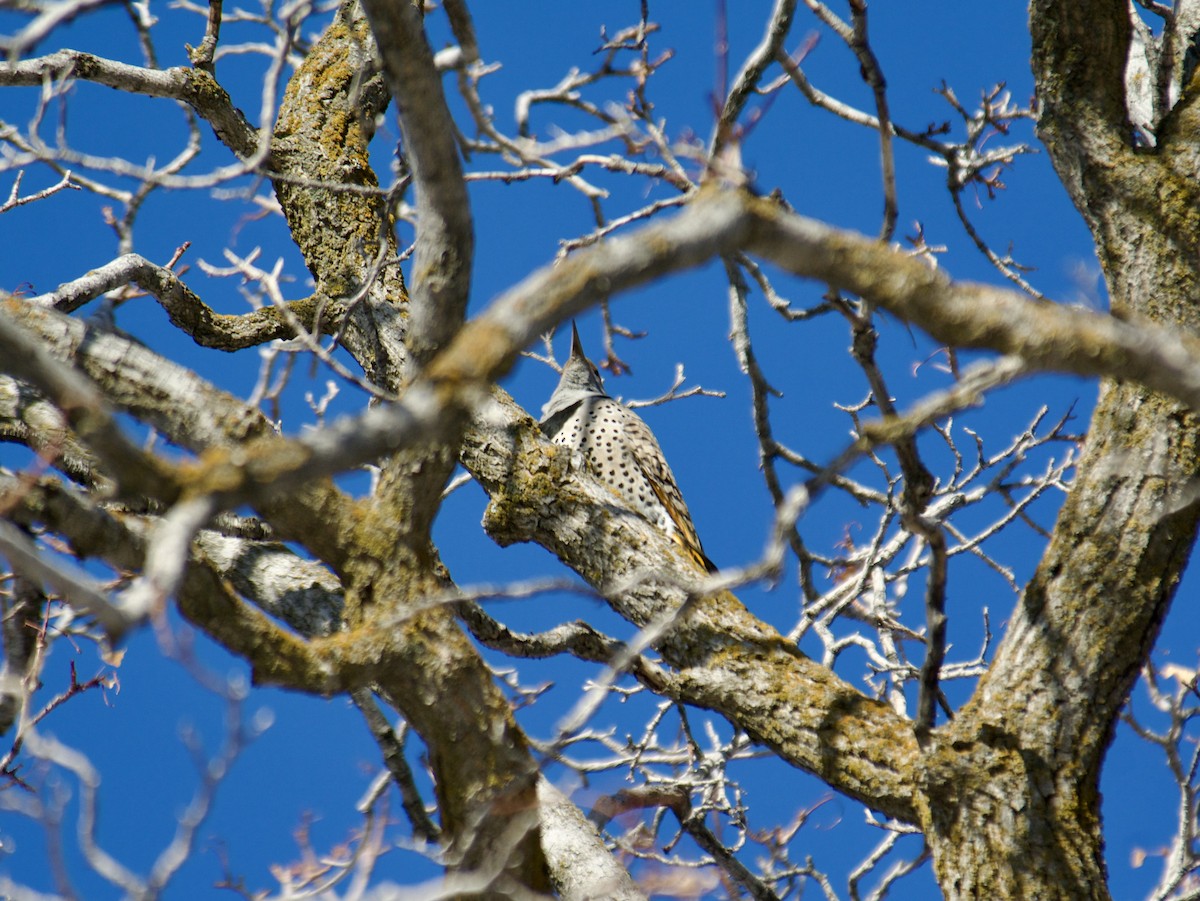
[529, 495]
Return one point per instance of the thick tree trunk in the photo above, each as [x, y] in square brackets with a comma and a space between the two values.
[1012, 784]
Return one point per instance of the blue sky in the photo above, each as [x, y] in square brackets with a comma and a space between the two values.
[316, 757]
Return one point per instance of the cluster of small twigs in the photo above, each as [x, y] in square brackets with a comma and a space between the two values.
[1170, 728]
[914, 538]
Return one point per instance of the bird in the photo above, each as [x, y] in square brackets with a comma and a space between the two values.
[619, 449]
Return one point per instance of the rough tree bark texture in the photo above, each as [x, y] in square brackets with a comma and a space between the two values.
[1011, 806]
[485, 777]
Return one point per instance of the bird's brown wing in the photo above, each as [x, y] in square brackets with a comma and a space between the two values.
[662, 483]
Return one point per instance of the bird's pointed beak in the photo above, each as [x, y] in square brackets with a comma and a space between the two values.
[576, 344]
